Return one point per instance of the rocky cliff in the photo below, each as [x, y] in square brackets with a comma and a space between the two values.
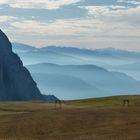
[16, 82]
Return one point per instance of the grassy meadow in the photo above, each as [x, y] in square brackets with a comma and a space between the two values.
[90, 119]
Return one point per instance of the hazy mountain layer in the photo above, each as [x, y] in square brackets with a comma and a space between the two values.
[74, 56]
[77, 72]
[81, 81]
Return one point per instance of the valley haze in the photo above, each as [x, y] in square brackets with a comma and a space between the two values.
[74, 73]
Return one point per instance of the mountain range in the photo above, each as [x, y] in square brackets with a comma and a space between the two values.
[73, 73]
[67, 72]
[106, 57]
[103, 52]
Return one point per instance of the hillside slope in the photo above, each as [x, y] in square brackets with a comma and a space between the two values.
[16, 82]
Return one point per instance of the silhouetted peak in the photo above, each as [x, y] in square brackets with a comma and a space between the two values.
[5, 44]
[16, 82]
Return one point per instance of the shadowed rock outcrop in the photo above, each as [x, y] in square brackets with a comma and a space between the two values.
[16, 82]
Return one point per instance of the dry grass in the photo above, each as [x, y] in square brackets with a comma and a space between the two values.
[41, 121]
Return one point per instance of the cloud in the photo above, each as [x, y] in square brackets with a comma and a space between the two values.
[104, 24]
[98, 11]
[7, 19]
[77, 27]
[38, 4]
[57, 27]
[115, 13]
[130, 2]
[4, 2]
[82, 32]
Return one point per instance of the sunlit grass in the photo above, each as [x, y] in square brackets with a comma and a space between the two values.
[114, 101]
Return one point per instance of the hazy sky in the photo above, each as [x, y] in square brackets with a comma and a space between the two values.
[77, 23]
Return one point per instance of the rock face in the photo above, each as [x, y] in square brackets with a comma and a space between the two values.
[16, 83]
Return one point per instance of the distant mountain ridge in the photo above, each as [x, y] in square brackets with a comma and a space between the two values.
[20, 47]
[83, 81]
[102, 51]
[106, 57]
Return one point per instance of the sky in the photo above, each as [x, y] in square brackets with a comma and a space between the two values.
[76, 23]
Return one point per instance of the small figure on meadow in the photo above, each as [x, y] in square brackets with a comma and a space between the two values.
[59, 103]
[126, 102]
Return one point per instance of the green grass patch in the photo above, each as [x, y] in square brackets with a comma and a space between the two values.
[113, 101]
